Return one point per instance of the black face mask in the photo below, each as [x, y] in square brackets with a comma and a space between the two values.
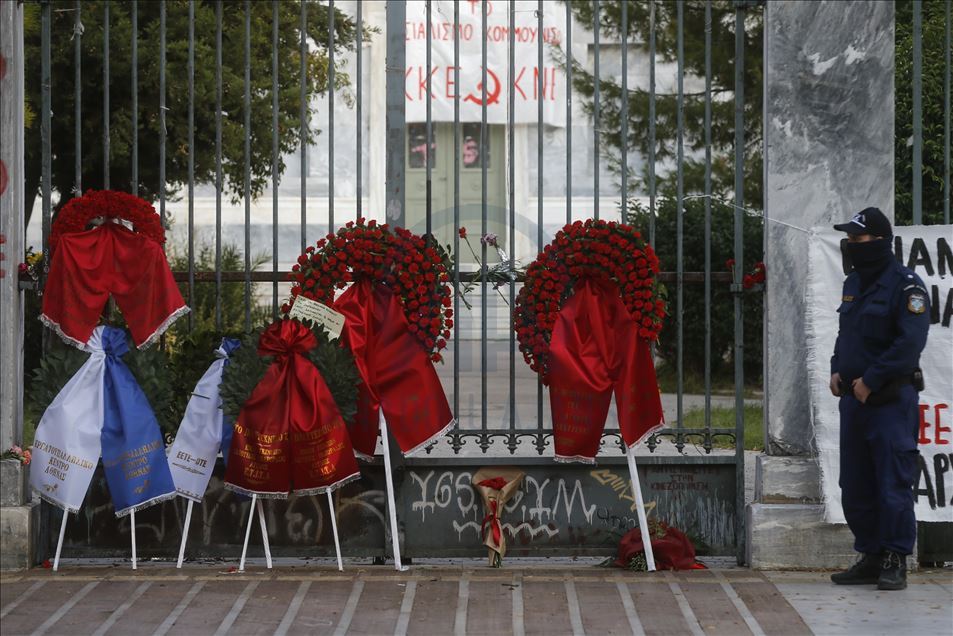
[869, 259]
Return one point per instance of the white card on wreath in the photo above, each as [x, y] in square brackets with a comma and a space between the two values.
[318, 313]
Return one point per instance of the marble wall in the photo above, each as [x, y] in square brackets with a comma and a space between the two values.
[829, 134]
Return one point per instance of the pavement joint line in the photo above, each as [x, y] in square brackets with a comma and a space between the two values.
[24, 596]
[65, 607]
[740, 605]
[518, 618]
[406, 607]
[631, 615]
[119, 611]
[237, 607]
[178, 609]
[349, 608]
[575, 614]
[690, 618]
[292, 612]
[463, 600]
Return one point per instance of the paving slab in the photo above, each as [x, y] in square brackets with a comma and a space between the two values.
[460, 597]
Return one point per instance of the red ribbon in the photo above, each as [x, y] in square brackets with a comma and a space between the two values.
[289, 435]
[494, 522]
[398, 375]
[595, 351]
[89, 266]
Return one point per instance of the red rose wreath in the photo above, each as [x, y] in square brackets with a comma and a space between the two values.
[584, 318]
[108, 243]
[396, 306]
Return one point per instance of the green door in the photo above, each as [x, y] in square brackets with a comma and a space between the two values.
[471, 173]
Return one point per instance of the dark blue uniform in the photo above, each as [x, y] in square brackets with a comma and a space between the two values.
[882, 331]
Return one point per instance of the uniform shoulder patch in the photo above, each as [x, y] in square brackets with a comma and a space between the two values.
[916, 303]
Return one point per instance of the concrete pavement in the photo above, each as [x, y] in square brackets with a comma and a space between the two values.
[543, 597]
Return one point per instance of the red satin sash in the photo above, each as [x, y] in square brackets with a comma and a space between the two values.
[595, 351]
[289, 435]
[110, 259]
[398, 375]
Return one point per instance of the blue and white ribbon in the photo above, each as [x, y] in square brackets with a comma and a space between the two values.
[204, 430]
[101, 411]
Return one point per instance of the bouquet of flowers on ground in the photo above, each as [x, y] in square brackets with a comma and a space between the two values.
[497, 485]
[672, 548]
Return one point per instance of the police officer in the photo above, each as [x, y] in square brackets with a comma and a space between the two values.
[884, 319]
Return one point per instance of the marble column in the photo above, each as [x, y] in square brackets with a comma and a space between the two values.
[19, 517]
[828, 152]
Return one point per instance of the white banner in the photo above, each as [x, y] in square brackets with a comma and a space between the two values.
[927, 251]
[68, 443]
[524, 81]
[199, 438]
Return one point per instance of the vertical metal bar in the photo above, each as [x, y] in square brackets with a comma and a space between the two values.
[428, 155]
[162, 109]
[624, 120]
[105, 95]
[739, 259]
[218, 165]
[360, 120]
[597, 116]
[917, 112]
[303, 123]
[46, 140]
[947, 122]
[331, 115]
[652, 123]
[569, 62]
[708, 226]
[484, 439]
[456, 443]
[540, 441]
[679, 220]
[135, 96]
[78, 99]
[191, 74]
[511, 139]
[247, 130]
[274, 159]
[395, 142]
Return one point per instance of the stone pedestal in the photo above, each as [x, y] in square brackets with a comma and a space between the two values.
[19, 517]
[828, 135]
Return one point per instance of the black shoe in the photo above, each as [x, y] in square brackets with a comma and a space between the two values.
[865, 572]
[893, 572]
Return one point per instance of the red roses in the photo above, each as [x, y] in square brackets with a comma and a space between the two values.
[590, 249]
[413, 267]
[108, 205]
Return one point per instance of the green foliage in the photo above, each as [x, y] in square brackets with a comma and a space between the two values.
[722, 84]
[177, 93]
[247, 369]
[202, 303]
[933, 67]
[722, 301]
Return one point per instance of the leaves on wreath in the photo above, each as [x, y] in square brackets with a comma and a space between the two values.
[247, 368]
[150, 367]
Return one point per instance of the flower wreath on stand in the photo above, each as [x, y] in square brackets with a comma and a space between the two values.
[589, 307]
[395, 299]
[413, 267]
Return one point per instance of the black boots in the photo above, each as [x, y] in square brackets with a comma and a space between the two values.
[893, 572]
[887, 571]
[865, 572]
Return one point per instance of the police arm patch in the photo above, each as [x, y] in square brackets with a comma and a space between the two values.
[916, 303]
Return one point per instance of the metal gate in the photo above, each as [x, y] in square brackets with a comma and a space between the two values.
[502, 410]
